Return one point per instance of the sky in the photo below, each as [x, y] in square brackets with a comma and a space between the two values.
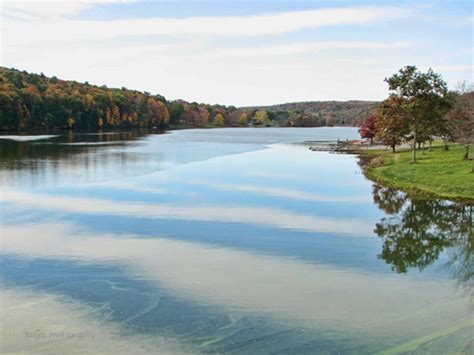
[240, 53]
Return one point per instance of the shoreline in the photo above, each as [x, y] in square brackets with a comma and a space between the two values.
[440, 180]
[380, 165]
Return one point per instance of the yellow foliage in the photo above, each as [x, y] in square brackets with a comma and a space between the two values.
[219, 120]
[70, 122]
[243, 120]
[108, 117]
[261, 118]
[89, 100]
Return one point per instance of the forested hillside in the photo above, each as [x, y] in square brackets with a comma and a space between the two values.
[34, 102]
[318, 113]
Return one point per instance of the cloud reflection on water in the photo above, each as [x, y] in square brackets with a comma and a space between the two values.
[43, 323]
[310, 294]
[274, 217]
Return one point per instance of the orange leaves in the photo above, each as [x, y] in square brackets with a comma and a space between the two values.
[157, 112]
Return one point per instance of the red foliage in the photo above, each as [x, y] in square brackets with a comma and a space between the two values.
[367, 130]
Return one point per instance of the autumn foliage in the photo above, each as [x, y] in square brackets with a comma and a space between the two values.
[420, 109]
[36, 102]
[368, 130]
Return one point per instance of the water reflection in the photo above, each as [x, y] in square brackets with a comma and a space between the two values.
[86, 157]
[59, 147]
[274, 217]
[223, 241]
[237, 296]
[416, 232]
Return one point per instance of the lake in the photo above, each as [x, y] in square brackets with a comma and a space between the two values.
[237, 240]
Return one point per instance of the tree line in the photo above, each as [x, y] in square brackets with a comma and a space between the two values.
[419, 109]
[35, 102]
[318, 113]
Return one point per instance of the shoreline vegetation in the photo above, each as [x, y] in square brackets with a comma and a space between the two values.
[37, 103]
[439, 173]
[420, 116]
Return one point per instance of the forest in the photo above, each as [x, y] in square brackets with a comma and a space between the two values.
[317, 113]
[35, 102]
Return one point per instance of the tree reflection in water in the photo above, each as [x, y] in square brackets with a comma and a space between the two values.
[416, 232]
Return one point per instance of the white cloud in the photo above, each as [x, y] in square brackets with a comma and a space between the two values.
[191, 67]
[46, 10]
[185, 57]
[31, 10]
[307, 47]
[195, 70]
[271, 24]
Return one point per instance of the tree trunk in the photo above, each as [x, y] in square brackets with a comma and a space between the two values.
[445, 142]
[466, 153]
[393, 150]
[423, 150]
[413, 160]
[431, 141]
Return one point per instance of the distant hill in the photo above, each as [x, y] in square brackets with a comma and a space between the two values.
[345, 113]
[35, 102]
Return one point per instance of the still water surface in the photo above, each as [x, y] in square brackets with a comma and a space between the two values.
[223, 241]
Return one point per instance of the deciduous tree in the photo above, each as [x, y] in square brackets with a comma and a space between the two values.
[421, 95]
[460, 120]
[368, 128]
[261, 118]
[243, 119]
[219, 120]
[391, 123]
[330, 119]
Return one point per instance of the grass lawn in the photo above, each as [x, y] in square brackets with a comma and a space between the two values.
[438, 172]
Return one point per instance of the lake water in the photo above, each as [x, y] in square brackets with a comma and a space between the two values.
[223, 241]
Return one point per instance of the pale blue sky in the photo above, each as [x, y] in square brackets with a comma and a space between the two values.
[240, 52]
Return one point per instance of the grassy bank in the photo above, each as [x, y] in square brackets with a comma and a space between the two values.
[438, 172]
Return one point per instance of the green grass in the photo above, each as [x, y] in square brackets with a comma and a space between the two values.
[438, 172]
